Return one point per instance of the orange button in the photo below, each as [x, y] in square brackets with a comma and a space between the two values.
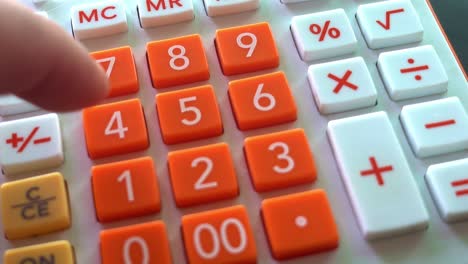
[203, 174]
[116, 128]
[177, 61]
[125, 189]
[299, 224]
[246, 48]
[120, 69]
[188, 114]
[262, 101]
[219, 236]
[279, 160]
[143, 243]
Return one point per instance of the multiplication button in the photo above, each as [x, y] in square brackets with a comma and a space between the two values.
[389, 23]
[436, 127]
[30, 144]
[323, 35]
[342, 85]
[412, 73]
[34, 206]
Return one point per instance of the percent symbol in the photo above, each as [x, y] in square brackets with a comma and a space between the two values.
[415, 69]
[325, 30]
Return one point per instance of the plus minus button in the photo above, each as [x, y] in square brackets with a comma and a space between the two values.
[377, 171]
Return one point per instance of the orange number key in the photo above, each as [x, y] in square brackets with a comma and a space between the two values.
[202, 174]
[115, 128]
[177, 61]
[279, 160]
[125, 189]
[120, 68]
[188, 114]
[262, 101]
[141, 243]
[219, 236]
[246, 48]
[299, 224]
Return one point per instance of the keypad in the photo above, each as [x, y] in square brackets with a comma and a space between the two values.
[209, 148]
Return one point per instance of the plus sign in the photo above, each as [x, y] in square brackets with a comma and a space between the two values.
[376, 170]
[14, 140]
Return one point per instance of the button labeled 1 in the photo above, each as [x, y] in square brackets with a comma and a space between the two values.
[30, 144]
[323, 35]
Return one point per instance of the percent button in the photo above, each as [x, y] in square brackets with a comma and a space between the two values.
[30, 144]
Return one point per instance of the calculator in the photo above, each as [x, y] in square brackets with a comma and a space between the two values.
[245, 131]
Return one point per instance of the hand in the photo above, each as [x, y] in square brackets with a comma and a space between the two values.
[42, 64]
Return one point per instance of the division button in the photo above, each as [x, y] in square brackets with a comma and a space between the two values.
[380, 185]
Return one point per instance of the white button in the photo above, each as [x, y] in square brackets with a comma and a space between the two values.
[380, 185]
[98, 19]
[412, 73]
[323, 35]
[12, 105]
[448, 183]
[389, 23]
[219, 8]
[342, 85]
[30, 144]
[436, 127]
[162, 12]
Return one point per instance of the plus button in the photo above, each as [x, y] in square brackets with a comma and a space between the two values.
[377, 171]
[14, 140]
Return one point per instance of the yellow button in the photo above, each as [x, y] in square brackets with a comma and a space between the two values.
[59, 252]
[34, 206]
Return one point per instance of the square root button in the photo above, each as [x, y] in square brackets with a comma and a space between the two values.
[389, 23]
[342, 85]
[412, 73]
[30, 144]
[323, 35]
[436, 127]
[448, 183]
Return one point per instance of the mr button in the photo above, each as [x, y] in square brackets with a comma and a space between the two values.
[34, 206]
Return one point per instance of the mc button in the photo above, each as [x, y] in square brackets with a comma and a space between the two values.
[34, 206]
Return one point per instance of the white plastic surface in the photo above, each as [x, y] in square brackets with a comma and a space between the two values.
[323, 35]
[440, 243]
[389, 23]
[436, 127]
[30, 144]
[411, 73]
[448, 183]
[157, 13]
[11, 105]
[342, 85]
[98, 19]
[220, 8]
[379, 182]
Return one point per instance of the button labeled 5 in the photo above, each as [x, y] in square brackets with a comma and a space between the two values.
[115, 128]
[177, 61]
[188, 114]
